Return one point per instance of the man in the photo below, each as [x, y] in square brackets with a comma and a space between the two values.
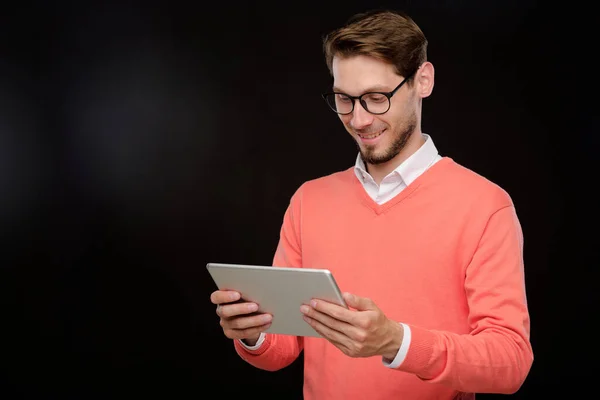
[429, 251]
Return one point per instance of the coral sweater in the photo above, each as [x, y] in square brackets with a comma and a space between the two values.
[445, 257]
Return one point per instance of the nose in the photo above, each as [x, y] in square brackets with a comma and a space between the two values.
[361, 118]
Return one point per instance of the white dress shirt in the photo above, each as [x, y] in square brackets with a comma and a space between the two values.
[391, 186]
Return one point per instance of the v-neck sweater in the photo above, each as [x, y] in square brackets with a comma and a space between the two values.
[445, 257]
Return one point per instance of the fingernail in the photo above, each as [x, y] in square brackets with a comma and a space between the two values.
[252, 307]
[313, 303]
[303, 309]
[267, 318]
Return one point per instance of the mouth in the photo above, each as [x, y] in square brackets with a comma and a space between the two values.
[368, 137]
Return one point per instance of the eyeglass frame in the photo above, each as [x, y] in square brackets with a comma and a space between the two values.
[359, 98]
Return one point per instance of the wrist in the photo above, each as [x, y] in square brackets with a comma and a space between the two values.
[395, 337]
[250, 342]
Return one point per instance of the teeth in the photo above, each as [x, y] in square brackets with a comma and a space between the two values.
[371, 136]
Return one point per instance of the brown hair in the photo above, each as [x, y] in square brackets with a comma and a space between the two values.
[390, 36]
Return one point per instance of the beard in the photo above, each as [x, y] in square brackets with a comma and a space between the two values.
[400, 137]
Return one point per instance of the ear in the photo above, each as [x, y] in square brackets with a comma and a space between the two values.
[424, 79]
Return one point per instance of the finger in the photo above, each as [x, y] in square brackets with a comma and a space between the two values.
[245, 333]
[337, 338]
[359, 303]
[333, 310]
[333, 323]
[243, 323]
[224, 296]
[232, 310]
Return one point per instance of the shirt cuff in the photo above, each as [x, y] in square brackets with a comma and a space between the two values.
[402, 351]
[259, 342]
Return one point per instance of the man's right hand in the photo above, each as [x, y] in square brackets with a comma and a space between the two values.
[239, 319]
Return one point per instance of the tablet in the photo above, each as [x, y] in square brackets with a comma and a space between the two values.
[279, 291]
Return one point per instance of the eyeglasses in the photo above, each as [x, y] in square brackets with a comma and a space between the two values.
[373, 102]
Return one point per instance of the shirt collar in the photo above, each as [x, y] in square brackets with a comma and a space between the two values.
[410, 169]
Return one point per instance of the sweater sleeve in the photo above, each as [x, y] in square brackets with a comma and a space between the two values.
[496, 355]
[279, 351]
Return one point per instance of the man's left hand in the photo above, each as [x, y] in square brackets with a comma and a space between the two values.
[362, 330]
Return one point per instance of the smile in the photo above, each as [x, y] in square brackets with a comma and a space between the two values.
[370, 135]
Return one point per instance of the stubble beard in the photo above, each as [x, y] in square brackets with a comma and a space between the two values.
[370, 156]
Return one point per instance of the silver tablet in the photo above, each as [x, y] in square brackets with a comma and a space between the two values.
[279, 292]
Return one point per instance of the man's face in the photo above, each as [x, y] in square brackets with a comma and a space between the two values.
[380, 138]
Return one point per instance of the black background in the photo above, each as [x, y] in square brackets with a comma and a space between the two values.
[140, 141]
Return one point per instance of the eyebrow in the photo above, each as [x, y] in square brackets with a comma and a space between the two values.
[376, 88]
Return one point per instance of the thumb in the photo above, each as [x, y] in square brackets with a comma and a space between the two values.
[359, 303]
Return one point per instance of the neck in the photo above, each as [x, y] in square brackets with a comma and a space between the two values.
[380, 171]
